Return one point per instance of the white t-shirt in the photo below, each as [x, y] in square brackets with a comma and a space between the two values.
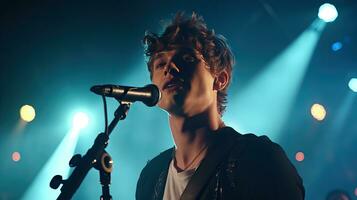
[176, 182]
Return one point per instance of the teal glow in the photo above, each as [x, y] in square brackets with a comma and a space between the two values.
[329, 138]
[80, 120]
[263, 106]
[57, 164]
[328, 12]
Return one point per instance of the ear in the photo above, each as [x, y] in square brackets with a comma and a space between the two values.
[221, 80]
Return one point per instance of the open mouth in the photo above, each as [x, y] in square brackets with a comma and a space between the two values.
[173, 84]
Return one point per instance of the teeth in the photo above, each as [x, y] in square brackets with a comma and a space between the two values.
[172, 85]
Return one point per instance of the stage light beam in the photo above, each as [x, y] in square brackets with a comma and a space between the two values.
[56, 164]
[328, 12]
[27, 113]
[273, 91]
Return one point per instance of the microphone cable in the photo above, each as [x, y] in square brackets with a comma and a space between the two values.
[105, 115]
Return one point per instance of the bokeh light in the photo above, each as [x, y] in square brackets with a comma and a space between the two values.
[353, 84]
[80, 120]
[328, 12]
[336, 46]
[27, 113]
[16, 156]
[318, 112]
[300, 156]
[355, 192]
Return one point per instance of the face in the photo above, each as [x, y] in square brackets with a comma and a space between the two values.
[185, 82]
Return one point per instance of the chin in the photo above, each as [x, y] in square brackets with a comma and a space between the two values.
[172, 109]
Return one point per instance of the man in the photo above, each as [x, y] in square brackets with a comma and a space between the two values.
[192, 67]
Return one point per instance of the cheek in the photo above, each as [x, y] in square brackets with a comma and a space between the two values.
[204, 81]
[154, 79]
[202, 88]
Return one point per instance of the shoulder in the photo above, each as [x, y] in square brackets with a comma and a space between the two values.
[253, 153]
[264, 164]
[250, 144]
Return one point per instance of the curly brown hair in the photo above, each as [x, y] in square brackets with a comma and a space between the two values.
[192, 32]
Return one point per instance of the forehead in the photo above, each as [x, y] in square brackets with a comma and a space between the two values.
[162, 54]
[173, 51]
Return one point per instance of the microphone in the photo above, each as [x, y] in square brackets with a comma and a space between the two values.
[148, 94]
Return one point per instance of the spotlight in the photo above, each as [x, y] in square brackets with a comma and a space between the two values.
[353, 84]
[27, 113]
[318, 112]
[328, 12]
[80, 120]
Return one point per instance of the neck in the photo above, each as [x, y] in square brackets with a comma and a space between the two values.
[192, 134]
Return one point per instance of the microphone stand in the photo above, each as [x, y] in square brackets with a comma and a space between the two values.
[95, 157]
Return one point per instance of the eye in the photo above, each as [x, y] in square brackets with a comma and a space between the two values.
[160, 64]
[189, 58]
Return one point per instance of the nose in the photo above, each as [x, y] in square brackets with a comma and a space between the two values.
[172, 69]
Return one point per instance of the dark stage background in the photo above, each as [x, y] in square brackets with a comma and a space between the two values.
[52, 52]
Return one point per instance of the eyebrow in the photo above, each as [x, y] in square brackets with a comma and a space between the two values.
[159, 55]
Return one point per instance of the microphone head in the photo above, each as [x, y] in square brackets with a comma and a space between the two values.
[102, 89]
[155, 95]
[149, 95]
[98, 89]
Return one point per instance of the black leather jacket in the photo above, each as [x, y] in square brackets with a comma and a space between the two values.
[244, 167]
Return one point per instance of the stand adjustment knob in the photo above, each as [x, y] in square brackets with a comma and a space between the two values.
[75, 160]
[56, 181]
[107, 162]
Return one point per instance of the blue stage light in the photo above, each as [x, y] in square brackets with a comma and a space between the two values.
[336, 46]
